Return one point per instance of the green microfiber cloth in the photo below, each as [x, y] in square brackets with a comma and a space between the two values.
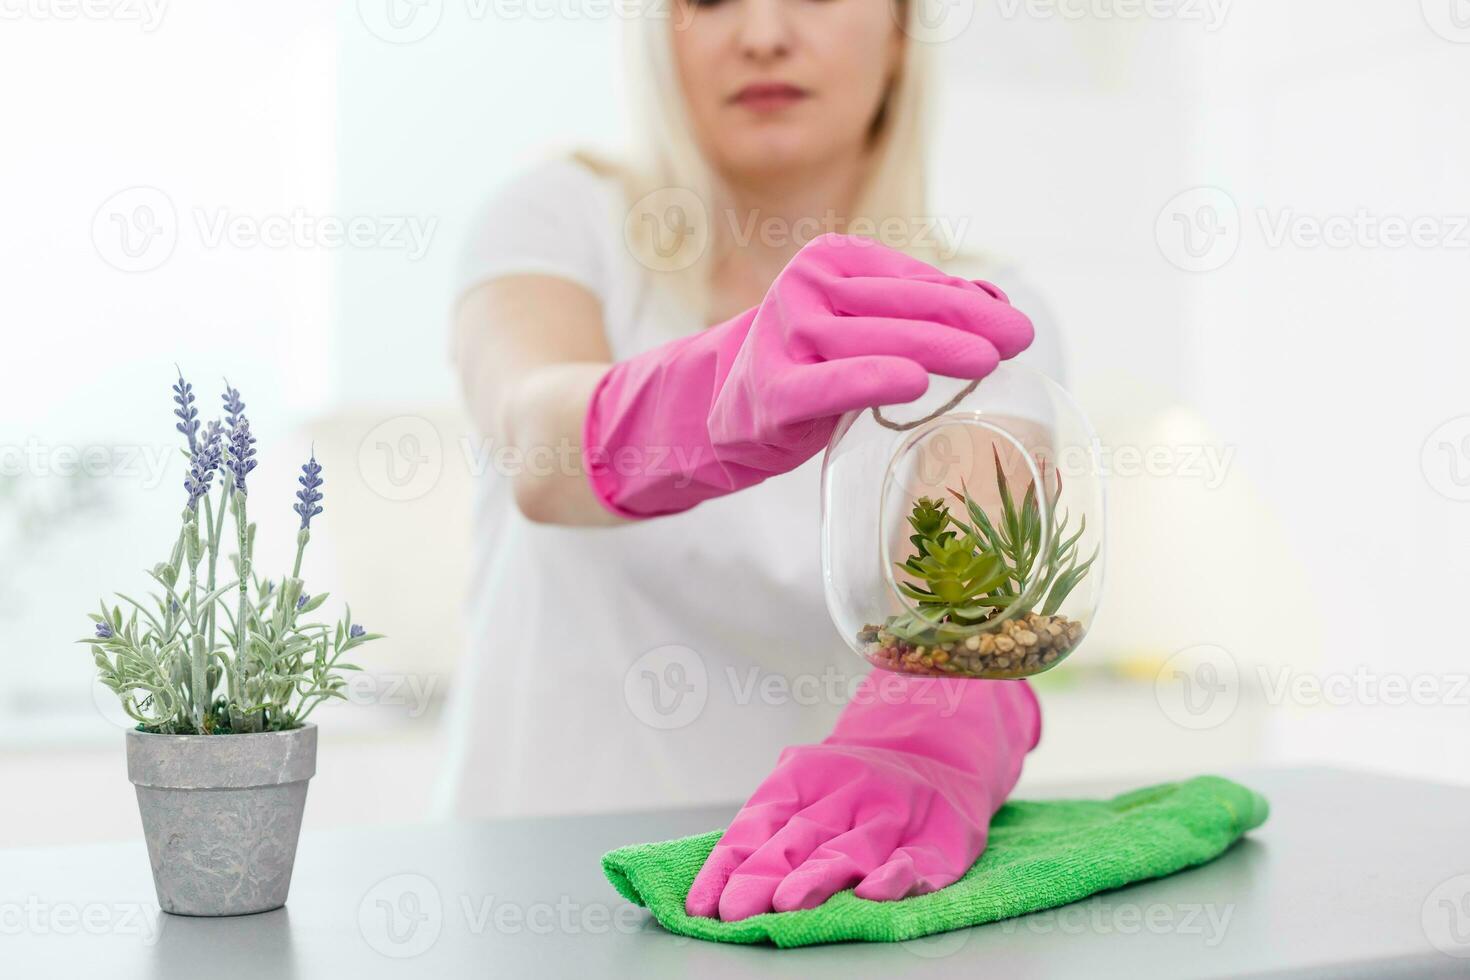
[1040, 855]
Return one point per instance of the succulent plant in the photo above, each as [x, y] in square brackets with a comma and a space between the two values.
[956, 572]
[966, 572]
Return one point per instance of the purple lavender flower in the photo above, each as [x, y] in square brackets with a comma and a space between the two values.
[241, 444]
[212, 435]
[301, 602]
[356, 631]
[104, 632]
[239, 457]
[310, 495]
[203, 462]
[234, 407]
[188, 415]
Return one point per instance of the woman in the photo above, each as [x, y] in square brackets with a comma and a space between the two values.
[679, 365]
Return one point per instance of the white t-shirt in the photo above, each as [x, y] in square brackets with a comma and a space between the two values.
[657, 663]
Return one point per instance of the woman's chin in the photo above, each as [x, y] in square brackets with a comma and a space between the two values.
[765, 159]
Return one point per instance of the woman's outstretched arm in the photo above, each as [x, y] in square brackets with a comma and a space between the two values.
[529, 350]
[848, 324]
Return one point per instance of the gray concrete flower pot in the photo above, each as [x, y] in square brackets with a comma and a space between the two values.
[221, 814]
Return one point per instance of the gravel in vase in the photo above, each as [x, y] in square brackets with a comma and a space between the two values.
[1018, 647]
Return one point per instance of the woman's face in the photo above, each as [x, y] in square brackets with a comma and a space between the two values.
[779, 85]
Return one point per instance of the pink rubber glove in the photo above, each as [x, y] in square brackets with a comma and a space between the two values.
[848, 324]
[896, 801]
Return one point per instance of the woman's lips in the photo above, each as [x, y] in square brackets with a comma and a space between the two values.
[768, 96]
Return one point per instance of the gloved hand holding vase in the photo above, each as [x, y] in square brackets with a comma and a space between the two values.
[847, 325]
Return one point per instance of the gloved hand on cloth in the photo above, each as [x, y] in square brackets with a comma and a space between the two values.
[895, 802]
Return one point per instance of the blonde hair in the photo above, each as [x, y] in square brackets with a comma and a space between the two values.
[672, 193]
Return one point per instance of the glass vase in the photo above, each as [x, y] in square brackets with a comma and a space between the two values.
[962, 534]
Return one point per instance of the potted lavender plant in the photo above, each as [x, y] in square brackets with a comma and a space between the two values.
[221, 669]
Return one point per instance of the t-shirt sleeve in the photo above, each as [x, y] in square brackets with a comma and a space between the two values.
[550, 221]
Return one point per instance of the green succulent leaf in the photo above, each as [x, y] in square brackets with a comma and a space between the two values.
[964, 571]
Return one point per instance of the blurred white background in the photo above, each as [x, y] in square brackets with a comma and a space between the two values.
[1252, 220]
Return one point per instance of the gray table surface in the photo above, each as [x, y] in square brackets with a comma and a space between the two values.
[1354, 875]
